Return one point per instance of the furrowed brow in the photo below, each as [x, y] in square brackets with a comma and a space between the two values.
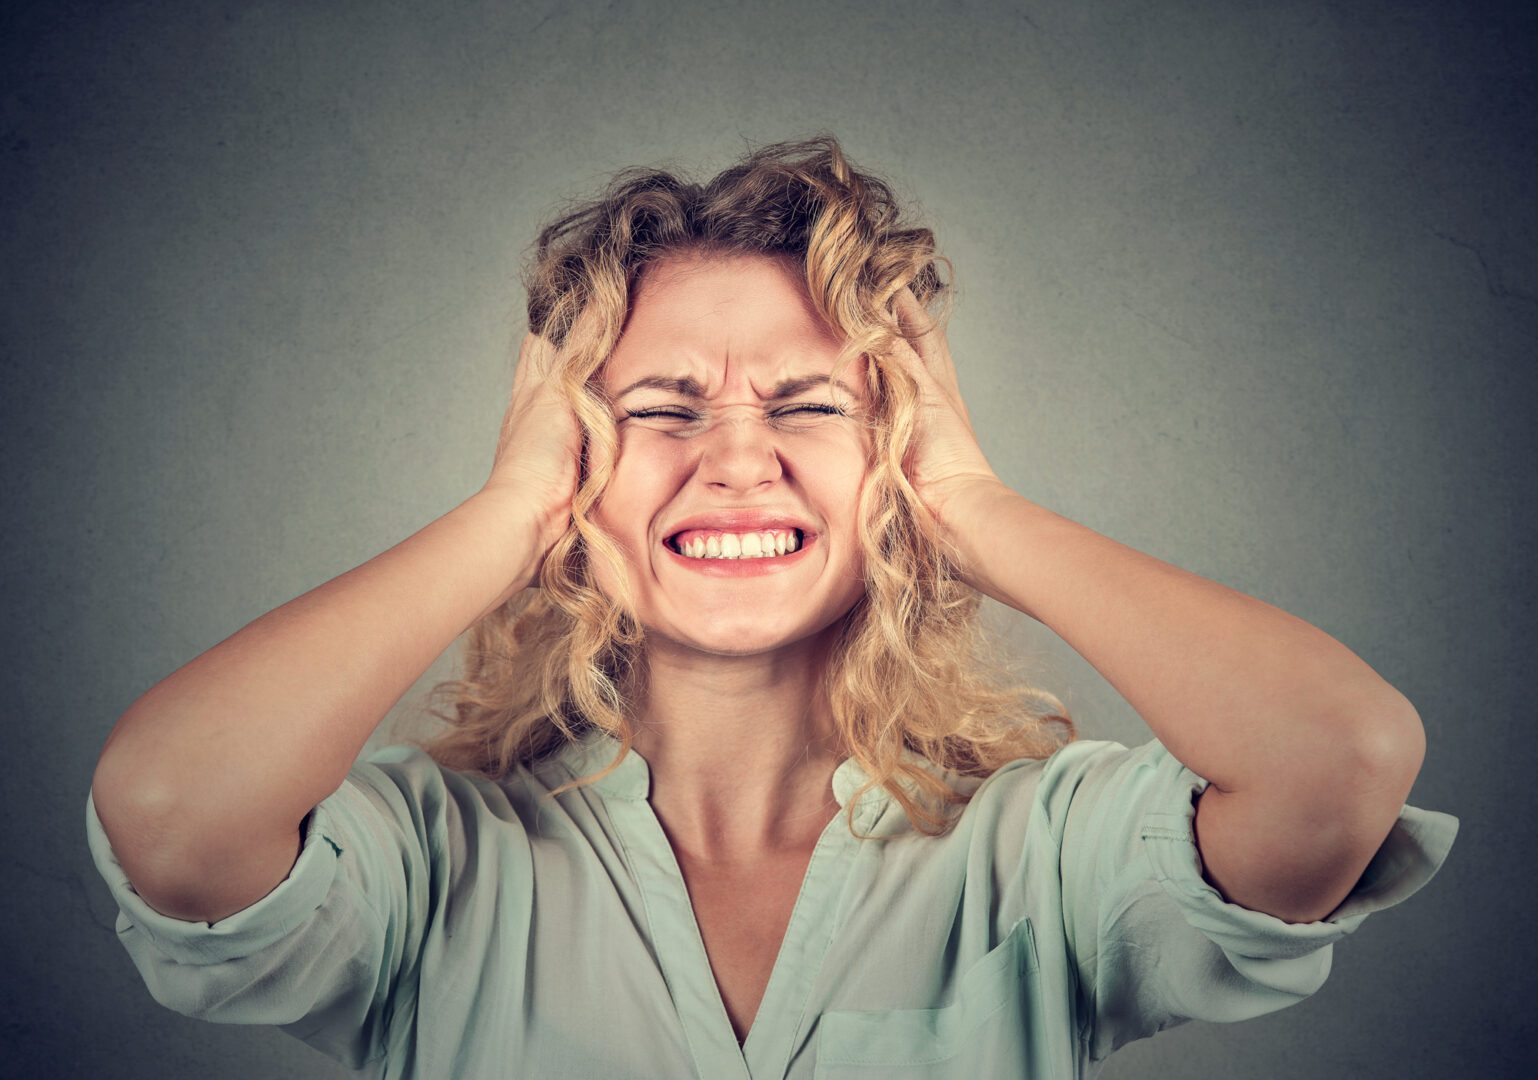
[792, 387]
[687, 386]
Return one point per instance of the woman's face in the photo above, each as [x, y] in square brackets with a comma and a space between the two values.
[737, 437]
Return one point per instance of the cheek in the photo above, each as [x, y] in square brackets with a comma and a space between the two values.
[641, 450]
[844, 473]
[841, 465]
[644, 478]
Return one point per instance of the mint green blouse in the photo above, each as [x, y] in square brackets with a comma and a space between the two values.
[437, 924]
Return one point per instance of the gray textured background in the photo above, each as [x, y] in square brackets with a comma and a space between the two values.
[1252, 288]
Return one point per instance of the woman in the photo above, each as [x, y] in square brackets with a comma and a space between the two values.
[732, 793]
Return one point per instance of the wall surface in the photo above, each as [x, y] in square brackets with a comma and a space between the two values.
[1252, 288]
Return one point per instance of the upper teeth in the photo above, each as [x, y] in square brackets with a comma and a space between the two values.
[699, 544]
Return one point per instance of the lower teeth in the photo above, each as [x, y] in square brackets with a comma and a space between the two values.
[736, 558]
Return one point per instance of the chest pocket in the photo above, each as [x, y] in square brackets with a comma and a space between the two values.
[985, 1025]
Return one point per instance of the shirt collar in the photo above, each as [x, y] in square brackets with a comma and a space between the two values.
[632, 778]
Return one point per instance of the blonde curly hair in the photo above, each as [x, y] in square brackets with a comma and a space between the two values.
[910, 667]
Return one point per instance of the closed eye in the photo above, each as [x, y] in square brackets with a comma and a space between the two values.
[645, 414]
[826, 410]
[676, 414]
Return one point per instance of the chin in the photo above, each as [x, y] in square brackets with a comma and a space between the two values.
[735, 644]
[738, 635]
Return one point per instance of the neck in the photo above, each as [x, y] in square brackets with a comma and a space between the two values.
[741, 749]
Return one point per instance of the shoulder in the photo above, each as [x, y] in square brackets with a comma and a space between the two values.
[415, 788]
[1101, 773]
[1056, 778]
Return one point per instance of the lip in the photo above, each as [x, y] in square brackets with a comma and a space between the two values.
[735, 568]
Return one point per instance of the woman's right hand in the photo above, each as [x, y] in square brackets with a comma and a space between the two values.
[536, 464]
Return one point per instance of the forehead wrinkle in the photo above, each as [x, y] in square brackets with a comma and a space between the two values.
[678, 357]
[685, 367]
[688, 386]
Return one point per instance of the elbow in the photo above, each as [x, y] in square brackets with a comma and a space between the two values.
[1394, 743]
[1387, 754]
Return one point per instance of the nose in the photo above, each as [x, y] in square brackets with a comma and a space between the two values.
[739, 453]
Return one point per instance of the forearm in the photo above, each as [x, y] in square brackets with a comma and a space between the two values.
[250, 735]
[1238, 690]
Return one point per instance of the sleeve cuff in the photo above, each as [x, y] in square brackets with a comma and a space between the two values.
[247, 931]
[1409, 857]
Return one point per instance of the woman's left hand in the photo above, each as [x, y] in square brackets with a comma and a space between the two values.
[945, 460]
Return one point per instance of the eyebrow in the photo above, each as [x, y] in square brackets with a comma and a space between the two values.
[688, 387]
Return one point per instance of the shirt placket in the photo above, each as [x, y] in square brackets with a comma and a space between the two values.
[676, 938]
[675, 933]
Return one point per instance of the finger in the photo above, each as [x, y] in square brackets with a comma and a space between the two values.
[931, 350]
[914, 320]
[928, 384]
[525, 361]
[585, 330]
[931, 343]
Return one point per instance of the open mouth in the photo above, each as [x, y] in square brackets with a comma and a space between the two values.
[734, 547]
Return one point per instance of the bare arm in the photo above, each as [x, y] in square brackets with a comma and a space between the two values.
[1310, 753]
[204, 781]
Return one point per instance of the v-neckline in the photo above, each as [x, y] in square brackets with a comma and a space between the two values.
[743, 916]
[770, 1040]
[773, 1037]
[680, 947]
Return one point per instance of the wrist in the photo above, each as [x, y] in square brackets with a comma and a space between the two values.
[1009, 546]
[968, 515]
[517, 532]
[963, 502]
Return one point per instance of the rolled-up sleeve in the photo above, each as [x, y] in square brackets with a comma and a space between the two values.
[1154, 943]
[322, 955]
